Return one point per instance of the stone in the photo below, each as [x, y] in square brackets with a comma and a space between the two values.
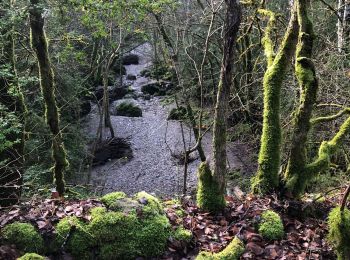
[131, 77]
[131, 59]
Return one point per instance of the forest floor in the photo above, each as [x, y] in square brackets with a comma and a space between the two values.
[154, 141]
[304, 224]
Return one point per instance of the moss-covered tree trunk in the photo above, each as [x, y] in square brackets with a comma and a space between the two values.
[299, 172]
[267, 177]
[306, 76]
[47, 84]
[11, 98]
[212, 185]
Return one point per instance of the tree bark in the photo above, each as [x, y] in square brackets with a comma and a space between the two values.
[231, 27]
[105, 106]
[47, 84]
[340, 25]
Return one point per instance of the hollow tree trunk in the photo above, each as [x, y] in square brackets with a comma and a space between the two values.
[267, 177]
[39, 44]
[12, 172]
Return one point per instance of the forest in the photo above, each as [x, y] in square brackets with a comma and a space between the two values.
[174, 129]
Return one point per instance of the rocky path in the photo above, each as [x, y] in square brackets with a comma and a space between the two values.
[153, 140]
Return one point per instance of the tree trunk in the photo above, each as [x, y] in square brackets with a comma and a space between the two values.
[39, 44]
[232, 23]
[12, 172]
[212, 186]
[340, 25]
[346, 20]
[267, 178]
[105, 106]
[306, 75]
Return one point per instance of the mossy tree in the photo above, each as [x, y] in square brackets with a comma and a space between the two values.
[267, 177]
[231, 27]
[209, 195]
[339, 228]
[47, 84]
[299, 172]
[306, 76]
[11, 98]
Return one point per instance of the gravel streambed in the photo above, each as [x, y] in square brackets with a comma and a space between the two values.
[154, 141]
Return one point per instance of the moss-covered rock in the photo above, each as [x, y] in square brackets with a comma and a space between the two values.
[151, 204]
[182, 234]
[271, 226]
[152, 235]
[339, 232]
[128, 109]
[74, 235]
[209, 196]
[178, 113]
[114, 233]
[232, 252]
[128, 228]
[24, 236]
[31, 256]
[151, 88]
[139, 232]
[112, 197]
[159, 71]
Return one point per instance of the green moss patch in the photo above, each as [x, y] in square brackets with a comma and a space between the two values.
[182, 234]
[232, 252]
[128, 109]
[24, 236]
[128, 228]
[73, 234]
[111, 198]
[31, 256]
[208, 195]
[339, 232]
[151, 204]
[271, 226]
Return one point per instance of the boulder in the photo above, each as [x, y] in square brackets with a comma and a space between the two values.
[130, 59]
[131, 77]
[114, 92]
[118, 93]
[128, 109]
[158, 88]
[151, 88]
[115, 148]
